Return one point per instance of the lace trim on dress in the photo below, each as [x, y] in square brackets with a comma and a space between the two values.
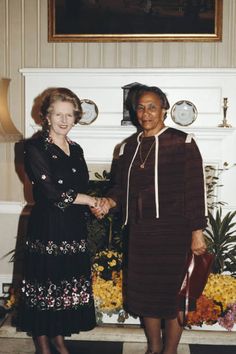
[55, 249]
[67, 199]
[63, 296]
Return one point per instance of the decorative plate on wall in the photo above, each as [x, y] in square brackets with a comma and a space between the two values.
[184, 113]
[90, 112]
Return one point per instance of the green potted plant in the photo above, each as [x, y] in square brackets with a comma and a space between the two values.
[107, 232]
[221, 237]
[220, 233]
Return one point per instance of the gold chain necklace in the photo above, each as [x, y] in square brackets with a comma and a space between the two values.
[140, 154]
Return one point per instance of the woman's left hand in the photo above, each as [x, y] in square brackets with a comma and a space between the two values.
[198, 245]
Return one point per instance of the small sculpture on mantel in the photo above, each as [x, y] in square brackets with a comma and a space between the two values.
[224, 123]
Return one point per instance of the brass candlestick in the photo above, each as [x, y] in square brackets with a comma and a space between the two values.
[224, 123]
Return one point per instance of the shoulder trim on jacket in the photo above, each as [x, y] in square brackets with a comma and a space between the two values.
[122, 147]
[189, 138]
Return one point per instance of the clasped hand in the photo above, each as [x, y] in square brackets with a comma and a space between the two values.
[101, 207]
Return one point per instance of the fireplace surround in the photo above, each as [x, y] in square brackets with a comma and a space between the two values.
[206, 88]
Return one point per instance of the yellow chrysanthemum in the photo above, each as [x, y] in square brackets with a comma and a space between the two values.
[112, 263]
[107, 281]
[108, 293]
[221, 288]
[109, 254]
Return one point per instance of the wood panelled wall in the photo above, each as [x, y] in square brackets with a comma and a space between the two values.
[23, 43]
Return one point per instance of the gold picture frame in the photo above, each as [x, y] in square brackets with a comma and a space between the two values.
[134, 20]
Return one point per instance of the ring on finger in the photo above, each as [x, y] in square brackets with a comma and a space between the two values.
[96, 202]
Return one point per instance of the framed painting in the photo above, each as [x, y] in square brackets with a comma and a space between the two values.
[134, 20]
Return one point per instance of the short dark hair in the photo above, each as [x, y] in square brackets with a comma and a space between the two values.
[59, 94]
[139, 90]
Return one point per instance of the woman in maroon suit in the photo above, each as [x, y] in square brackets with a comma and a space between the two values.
[160, 189]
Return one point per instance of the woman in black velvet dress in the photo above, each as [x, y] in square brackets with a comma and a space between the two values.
[56, 292]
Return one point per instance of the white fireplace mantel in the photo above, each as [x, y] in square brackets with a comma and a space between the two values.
[99, 142]
[206, 88]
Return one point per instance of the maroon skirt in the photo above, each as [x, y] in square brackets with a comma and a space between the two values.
[155, 260]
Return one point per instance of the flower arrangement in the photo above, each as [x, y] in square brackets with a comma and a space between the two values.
[217, 304]
[106, 232]
[7, 304]
[107, 282]
[221, 288]
[11, 299]
[207, 312]
[106, 263]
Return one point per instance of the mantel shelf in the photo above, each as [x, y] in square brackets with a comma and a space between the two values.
[124, 131]
[205, 87]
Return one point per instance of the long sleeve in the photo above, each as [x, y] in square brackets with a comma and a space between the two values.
[195, 197]
[44, 185]
[116, 191]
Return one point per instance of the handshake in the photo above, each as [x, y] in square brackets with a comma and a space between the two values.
[102, 206]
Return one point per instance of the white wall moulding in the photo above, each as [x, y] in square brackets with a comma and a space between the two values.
[11, 207]
[206, 88]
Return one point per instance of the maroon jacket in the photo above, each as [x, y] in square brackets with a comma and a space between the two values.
[179, 185]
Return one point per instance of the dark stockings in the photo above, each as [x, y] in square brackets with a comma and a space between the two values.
[59, 343]
[152, 328]
[173, 332]
[43, 345]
